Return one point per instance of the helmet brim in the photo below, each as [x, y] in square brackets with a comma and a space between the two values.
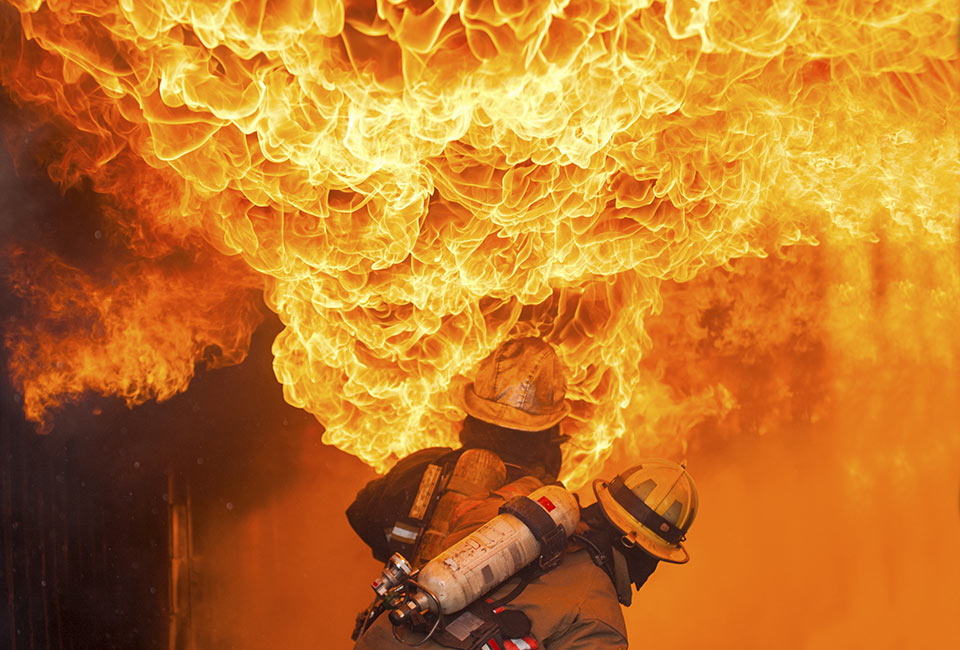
[635, 532]
[504, 415]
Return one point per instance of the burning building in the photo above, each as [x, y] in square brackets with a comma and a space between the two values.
[737, 224]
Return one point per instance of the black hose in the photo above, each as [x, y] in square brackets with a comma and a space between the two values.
[597, 554]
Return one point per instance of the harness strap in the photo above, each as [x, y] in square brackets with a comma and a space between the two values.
[406, 534]
[552, 536]
[525, 580]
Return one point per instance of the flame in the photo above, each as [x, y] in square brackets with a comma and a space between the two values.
[414, 182]
[128, 336]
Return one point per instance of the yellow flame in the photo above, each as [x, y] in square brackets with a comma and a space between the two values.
[417, 181]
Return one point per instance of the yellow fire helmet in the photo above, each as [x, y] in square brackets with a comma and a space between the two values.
[519, 386]
[653, 505]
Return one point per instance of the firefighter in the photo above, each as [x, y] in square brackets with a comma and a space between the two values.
[514, 409]
[515, 406]
[639, 519]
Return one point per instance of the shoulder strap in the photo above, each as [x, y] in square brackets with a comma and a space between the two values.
[407, 532]
[385, 500]
[404, 537]
[552, 537]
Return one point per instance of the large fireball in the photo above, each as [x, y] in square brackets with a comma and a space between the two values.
[410, 183]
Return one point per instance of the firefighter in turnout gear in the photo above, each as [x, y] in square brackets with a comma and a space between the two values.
[512, 429]
[640, 518]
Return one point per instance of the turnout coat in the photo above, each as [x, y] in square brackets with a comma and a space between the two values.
[571, 607]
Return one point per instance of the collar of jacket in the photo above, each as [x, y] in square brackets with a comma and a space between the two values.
[626, 568]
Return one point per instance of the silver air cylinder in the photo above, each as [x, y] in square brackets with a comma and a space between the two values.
[489, 555]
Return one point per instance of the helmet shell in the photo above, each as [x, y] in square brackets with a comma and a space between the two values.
[519, 386]
[669, 491]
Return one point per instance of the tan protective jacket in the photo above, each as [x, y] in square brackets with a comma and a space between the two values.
[572, 607]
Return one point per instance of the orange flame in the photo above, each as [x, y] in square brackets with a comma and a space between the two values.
[417, 181]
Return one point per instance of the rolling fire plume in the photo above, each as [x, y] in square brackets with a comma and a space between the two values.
[645, 184]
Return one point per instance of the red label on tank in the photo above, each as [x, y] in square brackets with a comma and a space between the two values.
[546, 503]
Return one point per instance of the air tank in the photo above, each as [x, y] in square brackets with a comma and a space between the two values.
[492, 553]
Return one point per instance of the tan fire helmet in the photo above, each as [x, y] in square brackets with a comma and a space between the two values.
[653, 505]
[519, 386]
